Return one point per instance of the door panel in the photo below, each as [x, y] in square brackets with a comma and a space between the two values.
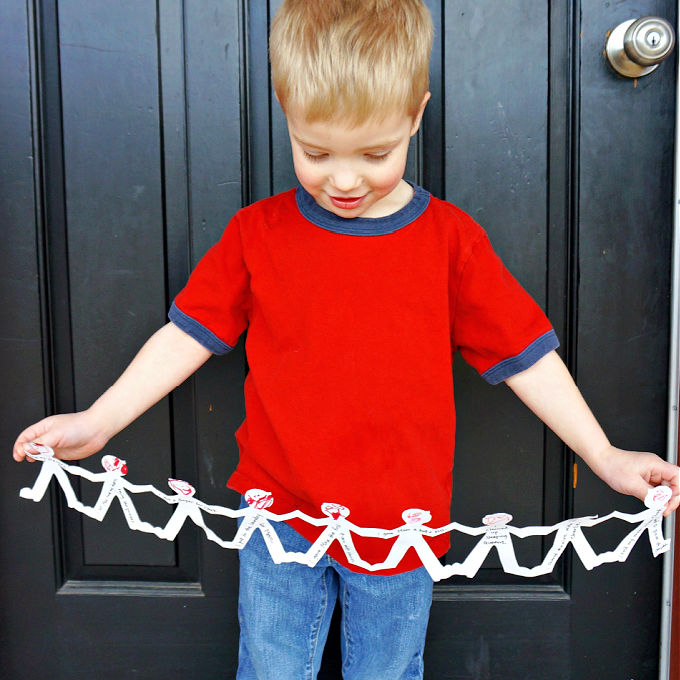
[624, 245]
[135, 131]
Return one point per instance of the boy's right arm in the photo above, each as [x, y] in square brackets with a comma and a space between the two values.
[168, 358]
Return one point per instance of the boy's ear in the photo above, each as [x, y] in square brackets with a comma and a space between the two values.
[419, 114]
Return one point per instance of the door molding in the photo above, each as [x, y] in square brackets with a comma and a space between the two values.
[670, 603]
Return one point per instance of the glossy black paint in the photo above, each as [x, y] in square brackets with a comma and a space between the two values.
[132, 131]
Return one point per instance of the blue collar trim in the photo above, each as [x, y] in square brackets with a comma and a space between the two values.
[362, 226]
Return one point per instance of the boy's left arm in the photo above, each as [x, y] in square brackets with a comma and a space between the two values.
[549, 391]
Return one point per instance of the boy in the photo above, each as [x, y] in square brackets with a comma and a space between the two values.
[355, 289]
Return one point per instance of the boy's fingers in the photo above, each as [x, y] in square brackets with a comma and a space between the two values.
[672, 506]
[39, 432]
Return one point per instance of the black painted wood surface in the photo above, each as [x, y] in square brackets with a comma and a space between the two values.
[132, 131]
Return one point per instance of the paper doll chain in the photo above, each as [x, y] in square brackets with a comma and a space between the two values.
[495, 531]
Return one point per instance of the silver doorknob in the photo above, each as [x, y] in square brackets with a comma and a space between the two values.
[637, 46]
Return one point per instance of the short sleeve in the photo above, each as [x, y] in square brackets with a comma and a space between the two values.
[213, 306]
[497, 326]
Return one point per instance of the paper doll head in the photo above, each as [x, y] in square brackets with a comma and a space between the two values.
[180, 487]
[497, 519]
[114, 464]
[416, 516]
[34, 447]
[658, 497]
[334, 510]
[258, 499]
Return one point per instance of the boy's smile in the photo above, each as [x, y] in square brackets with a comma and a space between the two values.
[354, 171]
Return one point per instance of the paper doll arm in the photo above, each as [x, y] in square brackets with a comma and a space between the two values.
[273, 517]
[549, 391]
[170, 499]
[71, 469]
[147, 488]
[315, 521]
[451, 526]
[166, 360]
[372, 533]
[87, 474]
[470, 531]
[523, 532]
[225, 512]
[631, 517]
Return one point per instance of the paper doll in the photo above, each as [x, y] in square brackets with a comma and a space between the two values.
[651, 520]
[410, 535]
[568, 531]
[496, 534]
[337, 529]
[51, 467]
[187, 506]
[255, 516]
[114, 485]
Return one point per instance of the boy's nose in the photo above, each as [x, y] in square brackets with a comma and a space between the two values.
[345, 179]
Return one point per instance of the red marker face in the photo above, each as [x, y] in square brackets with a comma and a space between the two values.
[114, 464]
[259, 499]
[662, 495]
[497, 518]
[658, 497]
[181, 487]
[416, 516]
[334, 510]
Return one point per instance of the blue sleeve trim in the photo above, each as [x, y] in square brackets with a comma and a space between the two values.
[197, 331]
[528, 357]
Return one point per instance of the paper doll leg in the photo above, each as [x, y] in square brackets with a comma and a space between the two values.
[36, 492]
[623, 549]
[659, 543]
[398, 551]
[210, 534]
[131, 516]
[509, 563]
[434, 567]
[589, 558]
[48, 470]
[100, 508]
[175, 523]
[316, 551]
[345, 540]
[242, 536]
[470, 566]
[272, 541]
[550, 560]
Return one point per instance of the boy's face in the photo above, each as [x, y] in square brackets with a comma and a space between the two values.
[354, 171]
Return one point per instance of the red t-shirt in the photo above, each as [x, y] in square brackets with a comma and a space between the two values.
[352, 324]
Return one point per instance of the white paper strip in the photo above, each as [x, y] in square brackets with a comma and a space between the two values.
[495, 533]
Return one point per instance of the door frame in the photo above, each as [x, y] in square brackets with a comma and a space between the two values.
[669, 649]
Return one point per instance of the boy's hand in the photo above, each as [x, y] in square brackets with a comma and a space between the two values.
[635, 473]
[71, 435]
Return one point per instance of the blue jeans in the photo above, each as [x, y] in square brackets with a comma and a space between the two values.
[285, 610]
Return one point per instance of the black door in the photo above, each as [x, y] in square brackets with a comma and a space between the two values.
[132, 131]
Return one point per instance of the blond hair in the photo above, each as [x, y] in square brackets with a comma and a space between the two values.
[354, 60]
